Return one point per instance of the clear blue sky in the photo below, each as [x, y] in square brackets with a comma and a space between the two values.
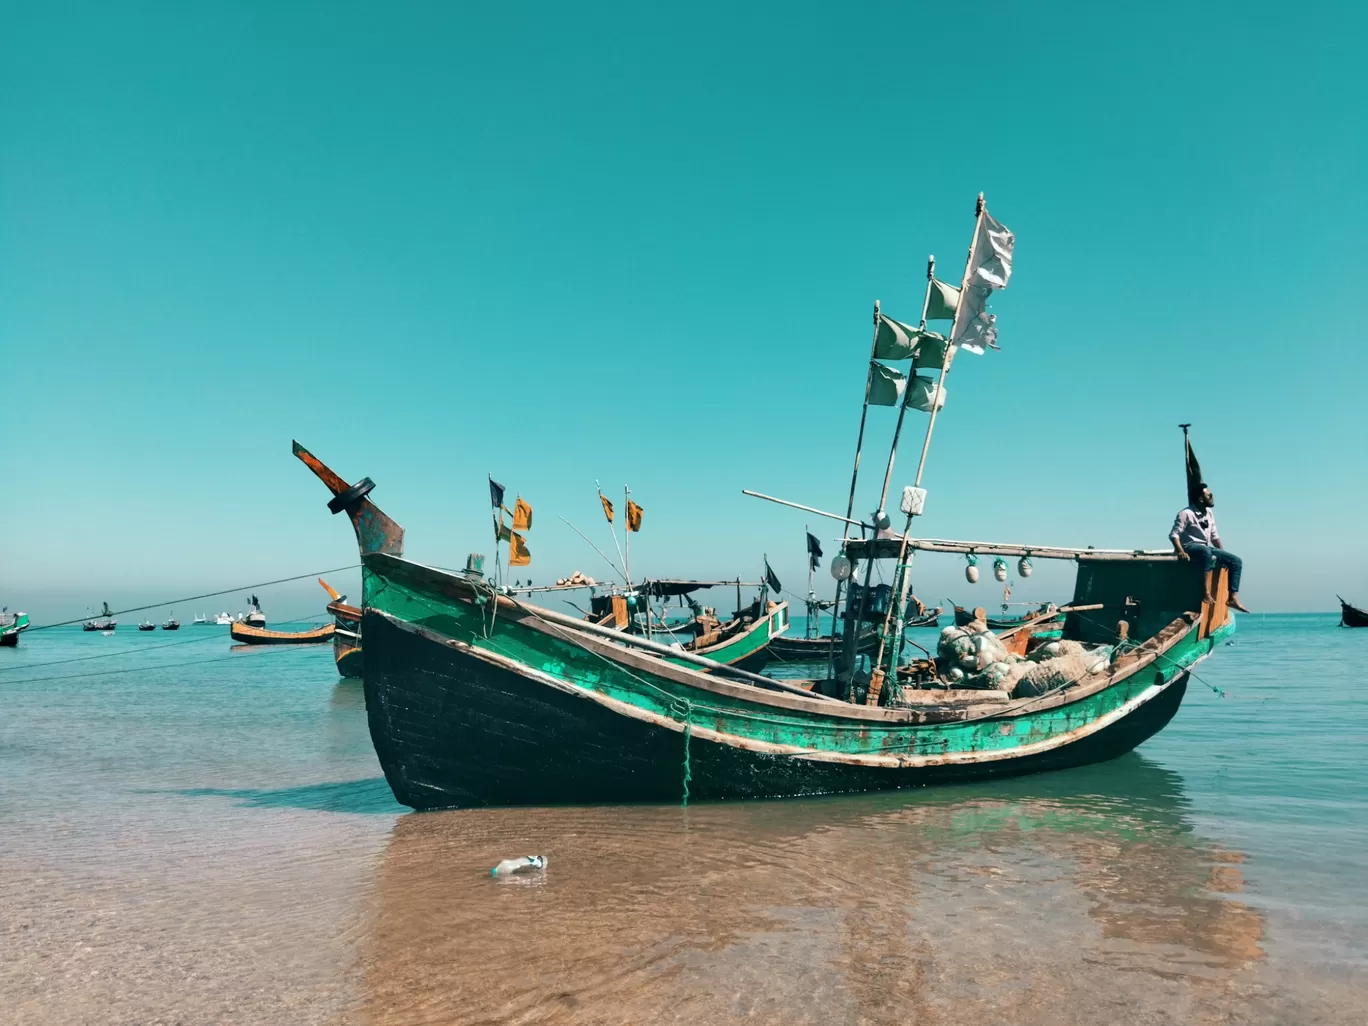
[561, 243]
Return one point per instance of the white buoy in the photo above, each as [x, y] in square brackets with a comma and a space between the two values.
[1024, 567]
[1000, 568]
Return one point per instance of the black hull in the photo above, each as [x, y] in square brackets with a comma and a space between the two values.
[452, 729]
[1351, 616]
[10, 639]
[170, 626]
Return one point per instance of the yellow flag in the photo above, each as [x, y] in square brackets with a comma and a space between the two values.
[607, 507]
[517, 550]
[522, 515]
[633, 516]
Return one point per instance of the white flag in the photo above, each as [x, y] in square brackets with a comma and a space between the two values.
[992, 254]
[975, 328]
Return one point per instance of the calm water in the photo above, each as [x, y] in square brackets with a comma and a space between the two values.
[207, 839]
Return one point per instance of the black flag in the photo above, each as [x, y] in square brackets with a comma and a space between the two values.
[814, 551]
[771, 580]
[496, 491]
[1195, 484]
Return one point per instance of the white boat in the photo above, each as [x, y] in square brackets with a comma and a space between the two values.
[224, 620]
[200, 621]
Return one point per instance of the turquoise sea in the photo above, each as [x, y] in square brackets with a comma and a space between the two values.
[197, 835]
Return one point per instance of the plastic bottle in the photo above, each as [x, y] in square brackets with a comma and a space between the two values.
[526, 864]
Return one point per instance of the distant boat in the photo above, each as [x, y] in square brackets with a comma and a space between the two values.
[964, 617]
[248, 635]
[255, 617]
[11, 625]
[104, 622]
[147, 625]
[172, 624]
[201, 621]
[346, 633]
[1352, 616]
[223, 620]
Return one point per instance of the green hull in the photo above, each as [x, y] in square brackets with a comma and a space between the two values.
[475, 699]
[11, 626]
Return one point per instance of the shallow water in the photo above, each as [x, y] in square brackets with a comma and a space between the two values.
[207, 839]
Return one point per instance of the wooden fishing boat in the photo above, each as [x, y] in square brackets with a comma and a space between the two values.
[818, 649]
[963, 617]
[11, 626]
[147, 625]
[346, 633]
[247, 635]
[1352, 616]
[171, 625]
[476, 698]
[742, 642]
[104, 622]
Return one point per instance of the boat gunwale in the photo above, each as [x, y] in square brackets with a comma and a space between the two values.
[1143, 656]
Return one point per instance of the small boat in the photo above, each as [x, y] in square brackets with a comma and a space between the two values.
[172, 624]
[248, 635]
[147, 625]
[224, 620]
[346, 633]
[1352, 616]
[11, 626]
[201, 621]
[964, 617]
[255, 617]
[104, 622]
[742, 642]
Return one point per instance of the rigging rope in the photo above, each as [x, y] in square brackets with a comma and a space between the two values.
[196, 598]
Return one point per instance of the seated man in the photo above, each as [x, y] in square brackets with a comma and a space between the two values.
[1194, 536]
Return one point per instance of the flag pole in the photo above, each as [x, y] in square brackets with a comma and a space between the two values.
[627, 536]
[902, 578]
[854, 476]
[902, 410]
[613, 531]
[954, 325]
[807, 629]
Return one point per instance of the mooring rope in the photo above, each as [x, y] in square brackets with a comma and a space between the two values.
[195, 598]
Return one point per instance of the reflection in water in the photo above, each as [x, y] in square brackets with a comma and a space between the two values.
[1004, 903]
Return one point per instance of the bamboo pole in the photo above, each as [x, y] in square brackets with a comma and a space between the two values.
[902, 568]
[613, 531]
[854, 476]
[627, 536]
[902, 410]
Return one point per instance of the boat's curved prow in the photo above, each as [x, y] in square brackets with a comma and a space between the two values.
[375, 532]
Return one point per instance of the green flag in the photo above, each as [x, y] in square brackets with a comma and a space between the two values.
[885, 385]
[941, 306]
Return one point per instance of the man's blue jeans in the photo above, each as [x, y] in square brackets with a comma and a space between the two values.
[1207, 557]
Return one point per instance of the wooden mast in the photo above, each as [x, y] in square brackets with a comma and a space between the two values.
[854, 476]
[901, 573]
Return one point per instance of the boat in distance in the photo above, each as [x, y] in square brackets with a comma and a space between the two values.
[1352, 616]
[104, 622]
[474, 697]
[346, 633]
[11, 626]
[245, 634]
